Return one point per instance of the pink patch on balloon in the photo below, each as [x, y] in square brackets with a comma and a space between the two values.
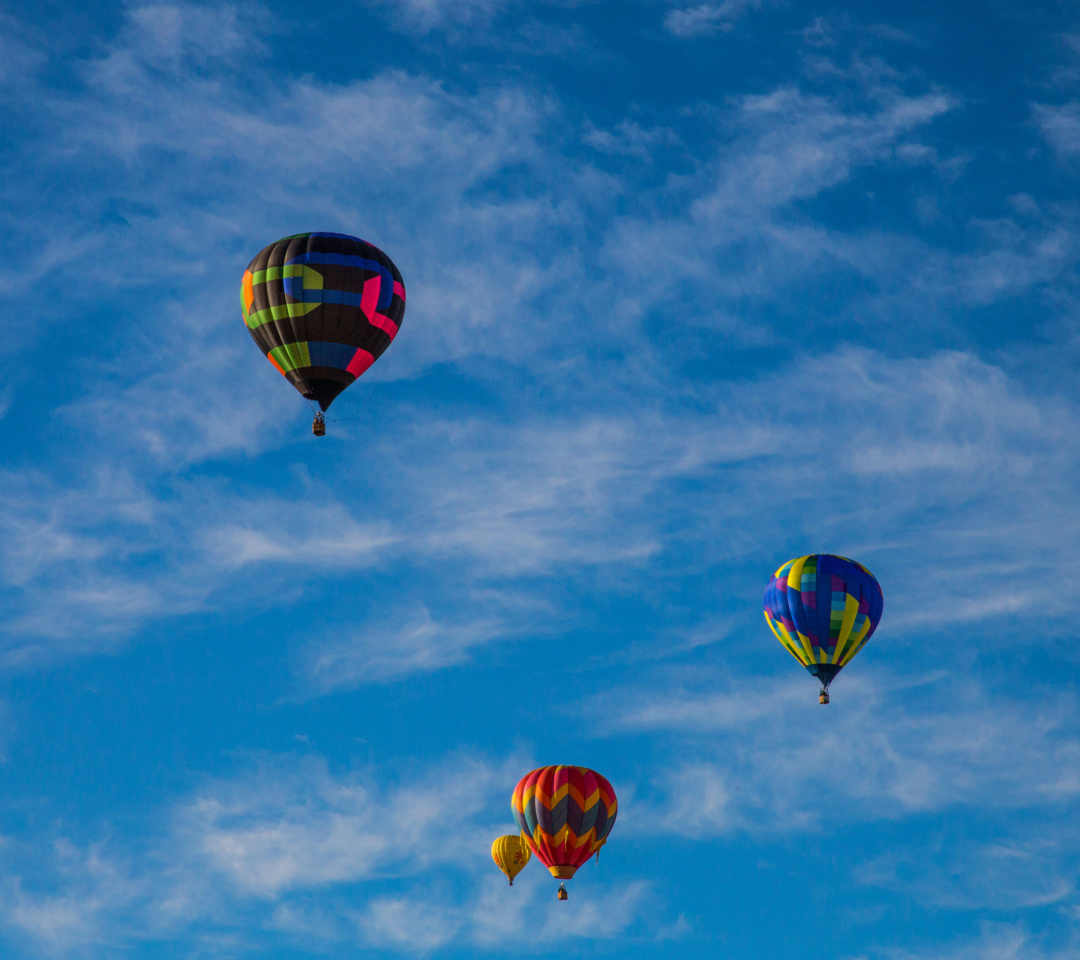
[369, 298]
[385, 324]
[360, 362]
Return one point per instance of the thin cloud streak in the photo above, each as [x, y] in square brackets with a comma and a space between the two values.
[934, 466]
[893, 752]
[287, 825]
[390, 651]
[708, 18]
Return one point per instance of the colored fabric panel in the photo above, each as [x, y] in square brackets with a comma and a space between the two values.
[281, 311]
[360, 361]
[385, 324]
[330, 354]
[784, 637]
[363, 263]
[247, 295]
[369, 299]
[292, 356]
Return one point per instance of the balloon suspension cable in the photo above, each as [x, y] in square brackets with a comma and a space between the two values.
[378, 383]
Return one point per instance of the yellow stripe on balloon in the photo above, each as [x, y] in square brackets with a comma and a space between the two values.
[851, 611]
[784, 637]
[798, 649]
[794, 577]
[794, 581]
[856, 645]
[782, 569]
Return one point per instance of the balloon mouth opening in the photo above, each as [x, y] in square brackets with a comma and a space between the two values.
[824, 672]
[563, 873]
[322, 390]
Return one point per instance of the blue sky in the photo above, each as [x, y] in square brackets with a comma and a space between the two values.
[692, 289]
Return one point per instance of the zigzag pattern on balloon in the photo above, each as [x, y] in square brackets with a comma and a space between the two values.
[565, 815]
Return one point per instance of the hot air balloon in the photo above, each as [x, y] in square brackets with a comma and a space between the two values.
[510, 855]
[823, 609]
[322, 307]
[565, 815]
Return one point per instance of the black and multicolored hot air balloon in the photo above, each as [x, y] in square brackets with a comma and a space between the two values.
[565, 815]
[322, 307]
[510, 854]
[823, 609]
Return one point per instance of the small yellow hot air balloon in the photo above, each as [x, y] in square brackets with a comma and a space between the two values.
[510, 855]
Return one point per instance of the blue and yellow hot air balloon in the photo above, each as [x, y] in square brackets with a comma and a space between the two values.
[823, 609]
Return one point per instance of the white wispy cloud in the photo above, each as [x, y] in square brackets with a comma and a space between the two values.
[426, 160]
[996, 941]
[894, 751]
[424, 16]
[933, 466]
[578, 300]
[86, 901]
[542, 489]
[708, 18]
[1007, 875]
[1061, 127]
[296, 826]
[20, 59]
[421, 924]
[258, 843]
[388, 651]
[629, 138]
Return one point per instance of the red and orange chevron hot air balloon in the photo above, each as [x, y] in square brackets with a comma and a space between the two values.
[565, 815]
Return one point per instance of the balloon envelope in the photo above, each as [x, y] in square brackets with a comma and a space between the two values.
[322, 307]
[510, 855]
[565, 815]
[823, 609]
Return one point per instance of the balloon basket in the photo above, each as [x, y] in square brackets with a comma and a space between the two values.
[823, 697]
[562, 892]
[318, 427]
